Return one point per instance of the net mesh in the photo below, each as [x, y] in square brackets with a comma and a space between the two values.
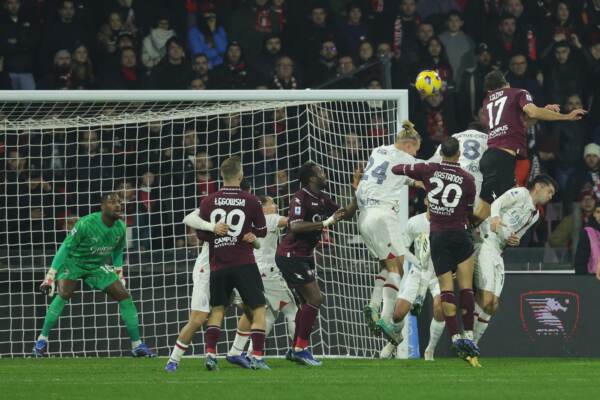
[163, 158]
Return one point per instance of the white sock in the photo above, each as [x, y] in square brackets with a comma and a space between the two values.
[481, 323]
[178, 351]
[390, 293]
[289, 311]
[436, 328]
[239, 343]
[402, 349]
[42, 337]
[135, 343]
[377, 294]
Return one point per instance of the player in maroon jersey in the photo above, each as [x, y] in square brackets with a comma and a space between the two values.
[311, 210]
[451, 194]
[506, 110]
[232, 260]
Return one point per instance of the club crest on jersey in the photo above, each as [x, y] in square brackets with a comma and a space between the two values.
[549, 313]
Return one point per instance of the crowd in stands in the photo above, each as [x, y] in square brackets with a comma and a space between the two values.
[549, 47]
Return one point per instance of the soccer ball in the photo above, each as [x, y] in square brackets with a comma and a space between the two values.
[428, 82]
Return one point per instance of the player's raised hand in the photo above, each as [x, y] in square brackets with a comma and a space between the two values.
[495, 224]
[48, 285]
[221, 229]
[356, 178]
[576, 115]
[553, 107]
[513, 240]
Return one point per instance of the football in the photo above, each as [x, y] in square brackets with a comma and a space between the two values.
[428, 82]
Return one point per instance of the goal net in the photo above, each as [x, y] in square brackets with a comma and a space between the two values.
[161, 151]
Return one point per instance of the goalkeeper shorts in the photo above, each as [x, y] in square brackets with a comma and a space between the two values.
[100, 277]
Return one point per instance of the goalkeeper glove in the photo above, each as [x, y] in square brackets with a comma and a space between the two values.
[119, 272]
[48, 285]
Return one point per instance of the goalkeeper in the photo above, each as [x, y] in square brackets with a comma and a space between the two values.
[82, 255]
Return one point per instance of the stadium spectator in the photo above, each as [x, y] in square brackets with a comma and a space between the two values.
[265, 62]
[307, 42]
[586, 175]
[435, 8]
[565, 73]
[437, 59]
[173, 71]
[36, 211]
[16, 167]
[520, 76]
[127, 76]
[561, 26]
[61, 76]
[250, 24]
[208, 37]
[109, 33]
[507, 41]
[425, 31]
[564, 143]
[587, 255]
[403, 29]
[279, 8]
[366, 56]
[180, 158]
[18, 39]
[197, 84]
[471, 89]
[354, 31]
[325, 68]
[67, 32]
[566, 234]
[265, 163]
[284, 77]
[5, 81]
[458, 45]
[200, 68]
[148, 196]
[205, 178]
[154, 45]
[436, 121]
[593, 60]
[234, 73]
[346, 73]
[82, 69]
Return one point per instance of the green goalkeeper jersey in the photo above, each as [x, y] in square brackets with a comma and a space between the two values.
[91, 243]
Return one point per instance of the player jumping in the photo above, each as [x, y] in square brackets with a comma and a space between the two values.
[505, 109]
[451, 193]
[82, 255]
[379, 220]
[311, 210]
[512, 214]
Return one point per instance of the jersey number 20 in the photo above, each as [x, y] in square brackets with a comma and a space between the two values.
[234, 219]
[446, 191]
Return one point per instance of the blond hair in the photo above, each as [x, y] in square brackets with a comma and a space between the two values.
[231, 168]
[408, 132]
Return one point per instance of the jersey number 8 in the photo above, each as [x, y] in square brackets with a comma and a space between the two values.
[234, 219]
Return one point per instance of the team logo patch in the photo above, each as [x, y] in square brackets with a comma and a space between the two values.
[297, 210]
[549, 313]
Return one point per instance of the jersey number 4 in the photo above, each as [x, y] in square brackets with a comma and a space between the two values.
[234, 219]
[499, 104]
[377, 172]
[446, 190]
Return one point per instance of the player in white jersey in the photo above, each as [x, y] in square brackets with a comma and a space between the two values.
[512, 214]
[199, 304]
[277, 293]
[415, 289]
[379, 223]
[472, 145]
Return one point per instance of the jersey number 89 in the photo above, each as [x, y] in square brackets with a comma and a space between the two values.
[234, 219]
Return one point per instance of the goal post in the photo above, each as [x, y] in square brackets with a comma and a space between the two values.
[161, 151]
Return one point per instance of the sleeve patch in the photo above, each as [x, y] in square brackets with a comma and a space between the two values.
[297, 210]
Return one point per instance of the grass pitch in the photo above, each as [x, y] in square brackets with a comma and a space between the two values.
[127, 378]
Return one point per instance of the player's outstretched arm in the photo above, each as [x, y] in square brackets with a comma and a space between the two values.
[549, 113]
[194, 221]
[350, 210]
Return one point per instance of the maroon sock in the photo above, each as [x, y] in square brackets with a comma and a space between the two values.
[451, 321]
[304, 324]
[258, 342]
[211, 337]
[467, 304]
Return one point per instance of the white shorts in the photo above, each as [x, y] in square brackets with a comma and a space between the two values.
[489, 268]
[413, 287]
[277, 292]
[201, 291]
[381, 230]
